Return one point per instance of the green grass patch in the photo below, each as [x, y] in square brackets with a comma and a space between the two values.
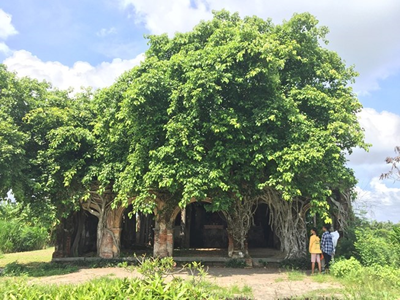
[370, 287]
[38, 256]
[236, 290]
[323, 278]
[296, 276]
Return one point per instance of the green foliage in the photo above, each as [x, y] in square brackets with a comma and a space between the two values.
[346, 267]
[263, 262]
[379, 245]
[106, 288]
[25, 227]
[155, 266]
[151, 286]
[235, 263]
[376, 275]
[13, 269]
[371, 282]
[232, 107]
[16, 237]
[296, 276]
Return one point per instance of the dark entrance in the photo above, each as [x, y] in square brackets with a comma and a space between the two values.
[201, 229]
[137, 230]
[91, 223]
[260, 234]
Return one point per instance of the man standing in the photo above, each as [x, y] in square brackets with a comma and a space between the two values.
[326, 246]
[335, 237]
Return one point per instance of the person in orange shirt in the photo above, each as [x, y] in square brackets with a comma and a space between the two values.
[315, 250]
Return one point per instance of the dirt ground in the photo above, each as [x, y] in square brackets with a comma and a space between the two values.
[265, 283]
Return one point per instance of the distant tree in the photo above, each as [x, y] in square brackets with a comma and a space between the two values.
[29, 110]
[394, 172]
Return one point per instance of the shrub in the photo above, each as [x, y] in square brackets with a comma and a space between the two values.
[387, 275]
[375, 247]
[17, 237]
[345, 267]
[235, 263]
[14, 269]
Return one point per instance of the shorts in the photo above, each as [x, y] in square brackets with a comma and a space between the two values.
[315, 257]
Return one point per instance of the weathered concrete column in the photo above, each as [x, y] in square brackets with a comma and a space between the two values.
[163, 237]
[164, 230]
[111, 241]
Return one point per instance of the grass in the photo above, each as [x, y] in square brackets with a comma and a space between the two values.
[38, 256]
[296, 276]
[128, 288]
[245, 290]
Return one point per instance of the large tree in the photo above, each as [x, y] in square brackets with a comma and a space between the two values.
[237, 108]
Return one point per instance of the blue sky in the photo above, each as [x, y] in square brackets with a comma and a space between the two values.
[91, 42]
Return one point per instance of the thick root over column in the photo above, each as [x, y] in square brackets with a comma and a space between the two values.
[239, 219]
[288, 223]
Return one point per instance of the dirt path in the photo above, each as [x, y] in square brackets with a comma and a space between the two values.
[265, 283]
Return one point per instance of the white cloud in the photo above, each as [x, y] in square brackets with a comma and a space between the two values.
[382, 130]
[381, 202]
[6, 28]
[81, 74]
[4, 49]
[168, 16]
[381, 199]
[105, 32]
[363, 32]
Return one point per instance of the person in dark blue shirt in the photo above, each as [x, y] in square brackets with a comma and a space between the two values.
[327, 246]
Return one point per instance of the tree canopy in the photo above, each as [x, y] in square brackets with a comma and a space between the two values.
[237, 105]
[223, 111]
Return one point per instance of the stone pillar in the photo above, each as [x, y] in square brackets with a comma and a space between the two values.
[111, 242]
[163, 237]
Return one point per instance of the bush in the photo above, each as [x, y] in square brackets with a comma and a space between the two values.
[17, 237]
[14, 269]
[235, 263]
[375, 247]
[345, 267]
[372, 282]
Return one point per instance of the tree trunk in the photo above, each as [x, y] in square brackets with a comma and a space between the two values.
[100, 231]
[98, 205]
[287, 220]
[239, 219]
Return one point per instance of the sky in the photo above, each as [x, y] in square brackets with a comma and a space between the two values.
[80, 43]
